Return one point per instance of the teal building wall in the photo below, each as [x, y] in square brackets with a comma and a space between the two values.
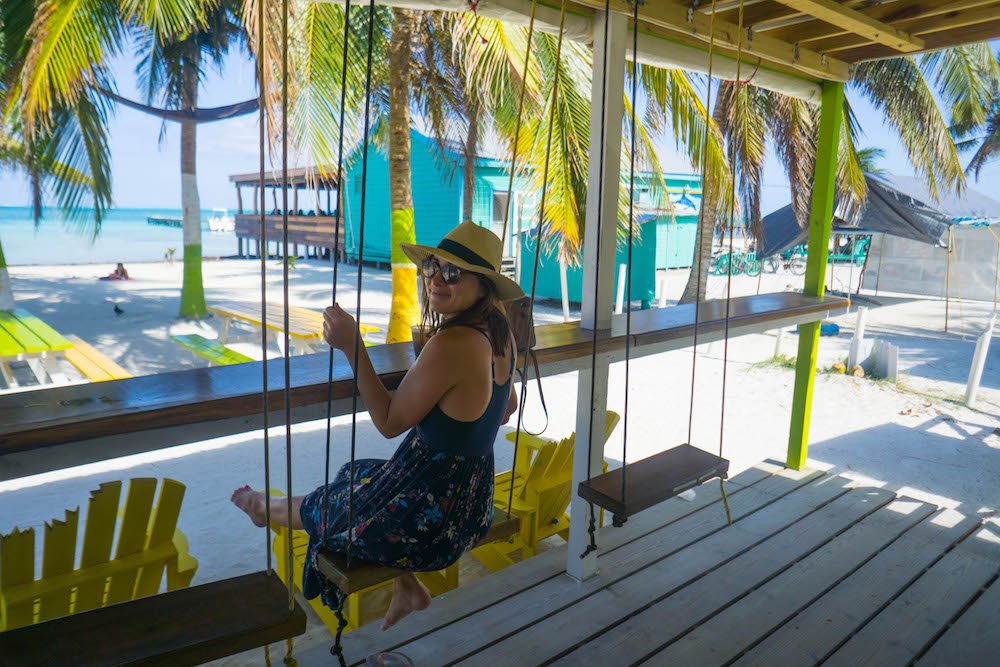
[548, 287]
[437, 197]
[675, 240]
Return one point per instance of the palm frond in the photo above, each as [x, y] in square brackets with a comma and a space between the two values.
[69, 43]
[851, 184]
[989, 149]
[674, 99]
[897, 88]
[968, 78]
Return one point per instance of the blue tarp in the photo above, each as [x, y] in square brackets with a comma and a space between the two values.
[896, 205]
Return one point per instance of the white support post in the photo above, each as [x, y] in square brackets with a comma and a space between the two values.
[661, 285]
[564, 288]
[979, 362]
[620, 296]
[608, 94]
[859, 335]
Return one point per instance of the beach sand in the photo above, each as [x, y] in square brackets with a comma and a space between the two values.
[916, 438]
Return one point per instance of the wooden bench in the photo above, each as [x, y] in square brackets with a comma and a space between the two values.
[184, 627]
[94, 365]
[216, 353]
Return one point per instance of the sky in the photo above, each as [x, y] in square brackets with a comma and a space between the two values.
[146, 166]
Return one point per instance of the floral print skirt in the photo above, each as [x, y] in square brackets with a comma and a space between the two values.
[418, 511]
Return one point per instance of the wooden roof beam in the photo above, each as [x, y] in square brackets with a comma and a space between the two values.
[903, 15]
[977, 32]
[677, 18]
[923, 26]
[858, 23]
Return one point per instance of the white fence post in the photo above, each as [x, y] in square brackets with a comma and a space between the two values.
[564, 288]
[622, 278]
[859, 335]
[979, 362]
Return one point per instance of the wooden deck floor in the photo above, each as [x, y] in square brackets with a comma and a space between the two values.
[813, 570]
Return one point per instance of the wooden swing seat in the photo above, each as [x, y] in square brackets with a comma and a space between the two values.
[184, 627]
[652, 480]
[357, 575]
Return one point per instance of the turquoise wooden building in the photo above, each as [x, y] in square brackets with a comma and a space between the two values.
[549, 284]
[668, 238]
[675, 228]
[437, 198]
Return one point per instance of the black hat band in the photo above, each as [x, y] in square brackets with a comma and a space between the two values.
[463, 253]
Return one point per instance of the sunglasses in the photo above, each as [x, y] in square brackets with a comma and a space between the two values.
[450, 274]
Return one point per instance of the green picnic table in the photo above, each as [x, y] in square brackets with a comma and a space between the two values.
[24, 337]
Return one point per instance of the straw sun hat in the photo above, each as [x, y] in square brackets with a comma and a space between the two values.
[471, 248]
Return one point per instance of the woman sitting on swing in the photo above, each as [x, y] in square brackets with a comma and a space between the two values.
[433, 500]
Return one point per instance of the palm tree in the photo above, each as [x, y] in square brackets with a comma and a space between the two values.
[65, 48]
[903, 88]
[65, 154]
[403, 313]
[495, 51]
[170, 73]
[971, 76]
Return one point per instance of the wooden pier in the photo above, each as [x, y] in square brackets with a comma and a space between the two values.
[312, 225]
[814, 569]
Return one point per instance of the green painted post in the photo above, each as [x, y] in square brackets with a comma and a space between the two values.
[820, 222]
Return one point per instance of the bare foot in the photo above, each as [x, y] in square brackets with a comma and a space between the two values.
[251, 502]
[408, 595]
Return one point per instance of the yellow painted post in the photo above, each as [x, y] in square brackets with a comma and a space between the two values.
[820, 223]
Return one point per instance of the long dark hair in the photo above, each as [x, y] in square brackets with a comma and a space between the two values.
[487, 314]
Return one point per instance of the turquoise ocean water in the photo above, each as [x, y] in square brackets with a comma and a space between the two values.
[125, 236]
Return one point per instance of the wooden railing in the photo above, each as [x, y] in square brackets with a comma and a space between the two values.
[306, 230]
[56, 428]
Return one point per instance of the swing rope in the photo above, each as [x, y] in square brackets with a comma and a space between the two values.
[631, 223]
[337, 649]
[517, 123]
[288, 659]
[333, 256]
[592, 527]
[263, 285]
[284, 275]
[339, 612]
[701, 221]
[538, 240]
[729, 278]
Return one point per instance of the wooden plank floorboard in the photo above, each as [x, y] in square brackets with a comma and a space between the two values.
[573, 620]
[724, 636]
[639, 628]
[482, 593]
[903, 629]
[974, 639]
[528, 608]
[814, 633]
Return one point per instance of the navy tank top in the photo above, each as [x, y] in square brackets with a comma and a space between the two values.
[474, 438]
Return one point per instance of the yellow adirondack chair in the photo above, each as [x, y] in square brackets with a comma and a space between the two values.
[542, 479]
[437, 582]
[148, 544]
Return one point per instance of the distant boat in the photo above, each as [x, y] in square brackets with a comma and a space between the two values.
[221, 221]
[165, 222]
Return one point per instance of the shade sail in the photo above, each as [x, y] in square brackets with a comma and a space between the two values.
[899, 206]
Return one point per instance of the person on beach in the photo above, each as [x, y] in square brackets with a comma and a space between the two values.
[118, 274]
[433, 500]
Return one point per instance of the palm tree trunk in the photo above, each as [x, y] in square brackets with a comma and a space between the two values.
[192, 289]
[403, 313]
[6, 292]
[707, 220]
[471, 146]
